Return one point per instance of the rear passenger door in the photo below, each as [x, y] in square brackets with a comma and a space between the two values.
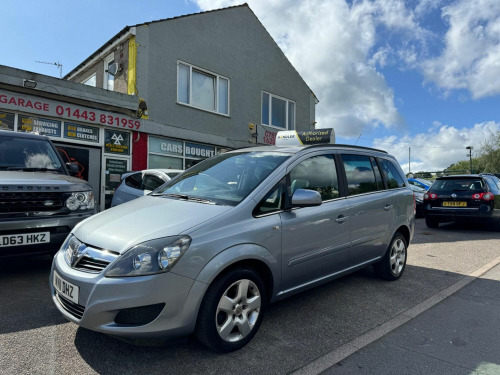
[315, 240]
[370, 207]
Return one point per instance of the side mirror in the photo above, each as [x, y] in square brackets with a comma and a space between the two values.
[73, 168]
[306, 198]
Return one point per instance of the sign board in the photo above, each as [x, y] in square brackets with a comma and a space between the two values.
[39, 125]
[116, 142]
[52, 108]
[81, 132]
[195, 150]
[6, 121]
[300, 138]
[114, 169]
[165, 146]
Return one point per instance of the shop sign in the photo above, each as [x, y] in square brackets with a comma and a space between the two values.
[165, 146]
[81, 132]
[266, 136]
[116, 142]
[6, 121]
[114, 169]
[194, 150]
[39, 125]
[47, 107]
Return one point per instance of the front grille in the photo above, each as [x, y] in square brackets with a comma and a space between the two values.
[94, 260]
[31, 202]
[74, 309]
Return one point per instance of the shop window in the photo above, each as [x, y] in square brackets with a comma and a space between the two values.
[202, 89]
[278, 112]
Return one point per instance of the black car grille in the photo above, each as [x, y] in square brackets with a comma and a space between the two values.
[74, 309]
[31, 202]
[92, 259]
[90, 264]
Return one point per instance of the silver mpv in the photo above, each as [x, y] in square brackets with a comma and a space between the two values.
[207, 252]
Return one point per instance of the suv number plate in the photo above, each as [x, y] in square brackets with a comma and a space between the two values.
[24, 239]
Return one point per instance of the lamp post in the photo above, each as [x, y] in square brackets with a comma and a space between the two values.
[470, 156]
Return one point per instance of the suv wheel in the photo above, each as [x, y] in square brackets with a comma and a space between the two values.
[431, 222]
[393, 264]
[232, 310]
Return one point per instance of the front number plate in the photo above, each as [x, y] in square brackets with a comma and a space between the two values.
[65, 288]
[24, 239]
[454, 204]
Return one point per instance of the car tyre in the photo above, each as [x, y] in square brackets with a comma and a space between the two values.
[232, 310]
[393, 264]
[431, 222]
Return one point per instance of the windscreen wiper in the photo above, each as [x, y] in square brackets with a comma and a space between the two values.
[188, 198]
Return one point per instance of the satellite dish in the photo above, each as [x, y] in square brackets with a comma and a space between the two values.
[113, 68]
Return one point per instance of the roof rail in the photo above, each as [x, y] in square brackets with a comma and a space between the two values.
[348, 146]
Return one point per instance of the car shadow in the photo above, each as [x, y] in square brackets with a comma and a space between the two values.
[25, 301]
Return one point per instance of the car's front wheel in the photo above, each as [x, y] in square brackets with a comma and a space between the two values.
[393, 264]
[232, 310]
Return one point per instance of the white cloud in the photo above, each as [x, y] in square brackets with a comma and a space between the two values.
[438, 148]
[471, 56]
[332, 45]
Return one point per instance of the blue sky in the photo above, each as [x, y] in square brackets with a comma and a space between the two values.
[390, 74]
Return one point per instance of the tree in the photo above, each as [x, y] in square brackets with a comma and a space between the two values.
[490, 153]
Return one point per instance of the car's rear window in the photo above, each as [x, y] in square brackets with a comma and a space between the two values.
[459, 184]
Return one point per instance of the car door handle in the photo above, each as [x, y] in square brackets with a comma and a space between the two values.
[341, 219]
[388, 207]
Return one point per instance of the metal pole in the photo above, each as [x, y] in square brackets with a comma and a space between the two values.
[409, 160]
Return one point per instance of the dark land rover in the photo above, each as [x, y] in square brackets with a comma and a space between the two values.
[40, 202]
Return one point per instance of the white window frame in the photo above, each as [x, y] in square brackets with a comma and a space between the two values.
[190, 91]
[287, 101]
[89, 78]
[107, 60]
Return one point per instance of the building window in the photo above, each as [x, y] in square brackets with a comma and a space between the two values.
[109, 79]
[278, 112]
[201, 89]
[90, 81]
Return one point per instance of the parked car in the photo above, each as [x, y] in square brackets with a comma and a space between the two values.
[419, 200]
[208, 251]
[40, 202]
[463, 198]
[425, 184]
[137, 184]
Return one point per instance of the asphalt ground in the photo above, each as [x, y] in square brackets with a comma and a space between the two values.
[296, 333]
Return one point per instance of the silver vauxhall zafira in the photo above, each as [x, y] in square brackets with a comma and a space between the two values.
[206, 252]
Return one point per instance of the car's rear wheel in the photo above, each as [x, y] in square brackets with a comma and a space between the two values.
[431, 222]
[232, 310]
[393, 264]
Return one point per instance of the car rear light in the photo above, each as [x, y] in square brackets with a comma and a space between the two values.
[484, 196]
[430, 196]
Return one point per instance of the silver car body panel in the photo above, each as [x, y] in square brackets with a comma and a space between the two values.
[301, 248]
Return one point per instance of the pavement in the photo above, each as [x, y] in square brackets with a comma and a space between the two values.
[459, 334]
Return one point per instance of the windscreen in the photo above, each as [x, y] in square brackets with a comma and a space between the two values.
[18, 153]
[224, 179]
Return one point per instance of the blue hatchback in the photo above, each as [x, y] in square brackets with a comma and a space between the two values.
[420, 182]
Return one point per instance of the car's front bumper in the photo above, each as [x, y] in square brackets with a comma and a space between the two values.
[58, 226]
[101, 299]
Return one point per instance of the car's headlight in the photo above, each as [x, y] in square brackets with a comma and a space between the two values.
[70, 247]
[81, 200]
[150, 257]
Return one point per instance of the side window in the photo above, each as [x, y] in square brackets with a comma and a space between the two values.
[316, 173]
[134, 181]
[151, 182]
[360, 174]
[391, 174]
[273, 201]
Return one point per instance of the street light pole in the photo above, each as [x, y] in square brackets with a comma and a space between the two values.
[470, 157]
